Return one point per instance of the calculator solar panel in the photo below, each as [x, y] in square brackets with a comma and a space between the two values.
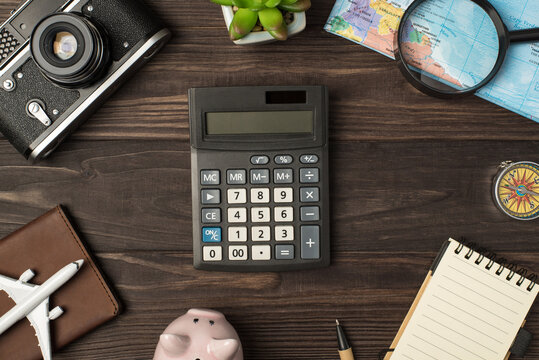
[259, 178]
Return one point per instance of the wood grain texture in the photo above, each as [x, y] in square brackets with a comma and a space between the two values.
[408, 171]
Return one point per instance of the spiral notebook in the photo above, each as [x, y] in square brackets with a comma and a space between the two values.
[470, 307]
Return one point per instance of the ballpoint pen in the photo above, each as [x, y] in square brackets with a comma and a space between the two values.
[345, 351]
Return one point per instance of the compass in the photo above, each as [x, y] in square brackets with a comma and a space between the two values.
[516, 189]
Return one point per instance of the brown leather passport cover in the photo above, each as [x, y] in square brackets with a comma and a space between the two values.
[46, 245]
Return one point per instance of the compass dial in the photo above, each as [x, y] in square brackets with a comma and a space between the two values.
[517, 191]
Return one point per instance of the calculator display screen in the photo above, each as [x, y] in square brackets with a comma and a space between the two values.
[268, 122]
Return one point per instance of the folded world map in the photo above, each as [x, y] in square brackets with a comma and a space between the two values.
[374, 24]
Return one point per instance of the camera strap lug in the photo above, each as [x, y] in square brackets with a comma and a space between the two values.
[35, 109]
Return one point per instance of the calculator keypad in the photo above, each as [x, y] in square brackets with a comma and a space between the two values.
[269, 210]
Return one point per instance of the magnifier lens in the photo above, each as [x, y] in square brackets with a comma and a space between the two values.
[450, 46]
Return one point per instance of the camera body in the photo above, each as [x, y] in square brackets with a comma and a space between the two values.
[61, 59]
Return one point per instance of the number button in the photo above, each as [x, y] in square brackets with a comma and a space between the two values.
[260, 195]
[260, 214]
[237, 234]
[309, 194]
[261, 233]
[261, 252]
[259, 160]
[283, 159]
[284, 214]
[309, 176]
[236, 196]
[212, 253]
[237, 215]
[237, 253]
[260, 176]
[236, 177]
[284, 233]
[308, 159]
[210, 177]
[283, 176]
[283, 195]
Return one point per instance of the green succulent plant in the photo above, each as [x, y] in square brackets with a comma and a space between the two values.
[268, 12]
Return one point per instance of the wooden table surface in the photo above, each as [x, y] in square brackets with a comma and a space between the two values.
[407, 172]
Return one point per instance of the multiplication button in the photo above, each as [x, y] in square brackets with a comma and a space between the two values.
[309, 194]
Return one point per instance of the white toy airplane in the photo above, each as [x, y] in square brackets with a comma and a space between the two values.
[33, 302]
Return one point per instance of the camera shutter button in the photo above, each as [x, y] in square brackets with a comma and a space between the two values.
[35, 109]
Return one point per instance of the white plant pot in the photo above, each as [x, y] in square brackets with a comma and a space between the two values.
[261, 37]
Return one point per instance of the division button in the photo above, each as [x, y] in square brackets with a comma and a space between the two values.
[259, 160]
[308, 159]
[260, 176]
[283, 159]
[210, 177]
[210, 216]
[309, 176]
[284, 252]
[309, 194]
[236, 177]
[211, 196]
[261, 252]
[211, 234]
[212, 253]
[283, 176]
[310, 213]
[310, 242]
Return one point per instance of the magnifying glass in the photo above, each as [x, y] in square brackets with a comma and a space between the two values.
[452, 48]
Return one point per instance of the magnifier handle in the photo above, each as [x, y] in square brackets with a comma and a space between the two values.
[524, 35]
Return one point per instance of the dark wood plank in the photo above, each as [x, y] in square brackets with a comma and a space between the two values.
[401, 196]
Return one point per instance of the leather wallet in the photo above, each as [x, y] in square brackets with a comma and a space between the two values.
[46, 245]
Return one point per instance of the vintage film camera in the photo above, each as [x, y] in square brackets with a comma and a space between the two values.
[60, 60]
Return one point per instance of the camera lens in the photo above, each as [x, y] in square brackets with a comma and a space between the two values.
[70, 49]
[65, 45]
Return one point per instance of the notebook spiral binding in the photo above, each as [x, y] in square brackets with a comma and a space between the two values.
[484, 254]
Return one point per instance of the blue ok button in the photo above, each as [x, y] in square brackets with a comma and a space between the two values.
[211, 234]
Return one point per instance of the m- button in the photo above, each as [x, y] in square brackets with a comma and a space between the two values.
[260, 176]
[210, 177]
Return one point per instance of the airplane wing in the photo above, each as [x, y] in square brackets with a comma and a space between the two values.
[39, 318]
[15, 289]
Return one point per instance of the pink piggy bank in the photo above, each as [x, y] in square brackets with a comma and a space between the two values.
[200, 334]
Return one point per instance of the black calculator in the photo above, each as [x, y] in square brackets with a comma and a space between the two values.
[259, 162]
